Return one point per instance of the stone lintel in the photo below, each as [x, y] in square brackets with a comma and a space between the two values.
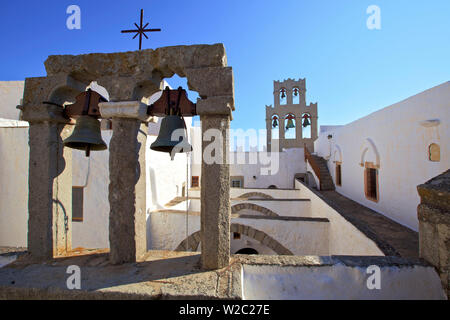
[124, 109]
[140, 63]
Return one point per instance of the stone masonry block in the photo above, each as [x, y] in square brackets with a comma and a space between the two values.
[211, 82]
[259, 236]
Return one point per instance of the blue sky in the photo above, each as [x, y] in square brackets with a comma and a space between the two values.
[350, 70]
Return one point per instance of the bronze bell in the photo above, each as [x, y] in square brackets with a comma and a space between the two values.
[290, 124]
[172, 136]
[306, 122]
[86, 135]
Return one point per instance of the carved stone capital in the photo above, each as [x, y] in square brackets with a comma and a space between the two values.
[124, 109]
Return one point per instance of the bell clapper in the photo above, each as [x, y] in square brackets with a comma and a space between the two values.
[88, 150]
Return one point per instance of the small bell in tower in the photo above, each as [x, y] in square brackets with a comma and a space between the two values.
[283, 93]
[275, 122]
[306, 121]
[295, 91]
[290, 123]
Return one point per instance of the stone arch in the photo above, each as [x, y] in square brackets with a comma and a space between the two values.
[247, 250]
[194, 239]
[251, 206]
[275, 130]
[291, 119]
[283, 91]
[296, 99]
[255, 194]
[369, 144]
[64, 94]
[306, 130]
[337, 156]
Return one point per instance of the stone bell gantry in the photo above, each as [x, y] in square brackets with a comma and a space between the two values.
[296, 110]
[128, 77]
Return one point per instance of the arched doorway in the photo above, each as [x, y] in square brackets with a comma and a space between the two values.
[247, 251]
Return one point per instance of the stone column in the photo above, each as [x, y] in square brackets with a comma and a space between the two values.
[49, 182]
[298, 129]
[215, 183]
[268, 133]
[216, 87]
[314, 127]
[215, 198]
[281, 131]
[289, 96]
[127, 188]
[434, 225]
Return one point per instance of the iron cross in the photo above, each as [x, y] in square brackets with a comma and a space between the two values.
[140, 30]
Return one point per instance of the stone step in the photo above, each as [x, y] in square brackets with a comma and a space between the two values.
[326, 181]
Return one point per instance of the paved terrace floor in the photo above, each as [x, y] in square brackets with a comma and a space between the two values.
[391, 237]
[158, 275]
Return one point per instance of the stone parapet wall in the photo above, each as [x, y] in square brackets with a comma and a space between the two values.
[433, 213]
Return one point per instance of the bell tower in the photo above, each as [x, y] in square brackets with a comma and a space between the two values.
[291, 121]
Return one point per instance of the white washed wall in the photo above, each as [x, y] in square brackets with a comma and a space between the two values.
[167, 230]
[338, 282]
[345, 239]
[277, 168]
[11, 93]
[14, 183]
[282, 208]
[401, 142]
[275, 193]
[93, 231]
[300, 237]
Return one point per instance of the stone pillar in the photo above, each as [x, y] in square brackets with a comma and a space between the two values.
[276, 97]
[314, 127]
[216, 87]
[268, 133]
[434, 225]
[49, 182]
[127, 188]
[298, 129]
[215, 210]
[215, 197]
[281, 130]
[289, 96]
